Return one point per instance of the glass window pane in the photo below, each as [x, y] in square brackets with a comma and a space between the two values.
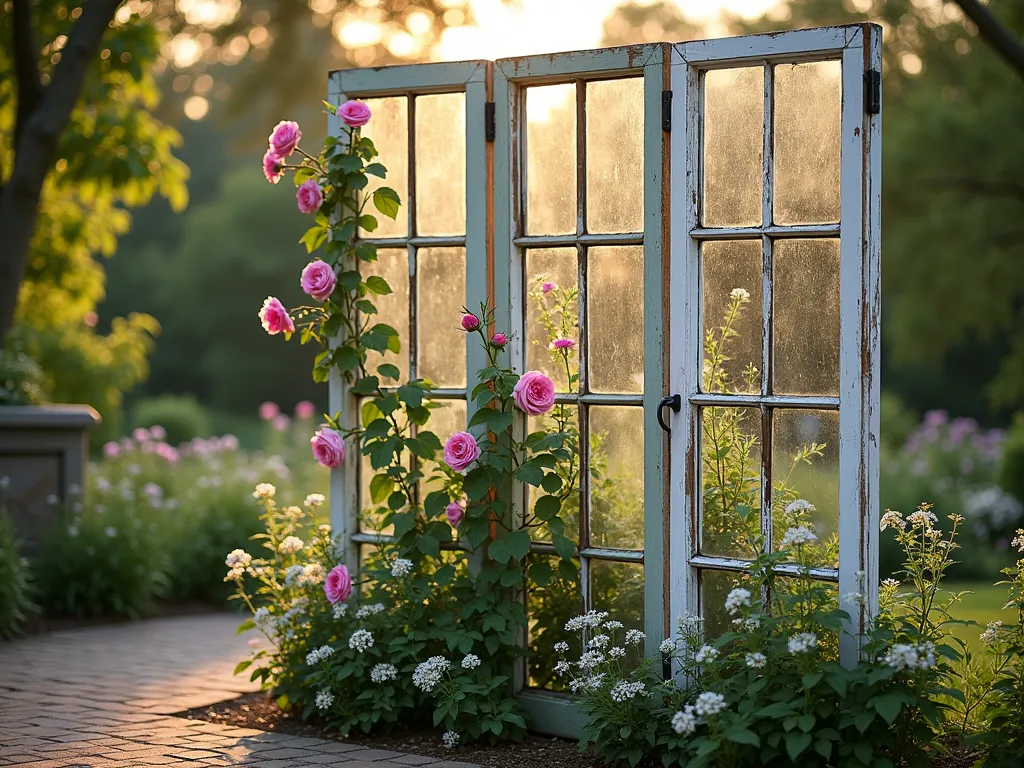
[733, 147]
[805, 479]
[552, 312]
[730, 481]
[615, 155]
[553, 597]
[789, 590]
[440, 296]
[393, 309]
[551, 159]
[615, 319]
[441, 164]
[446, 418]
[616, 477]
[808, 121]
[805, 326]
[732, 315]
[619, 589]
[714, 588]
[561, 418]
[389, 131]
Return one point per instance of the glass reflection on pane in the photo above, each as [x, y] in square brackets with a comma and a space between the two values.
[389, 131]
[730, 478]
[551, 159]
[789, 591]
[616, 477]
[733, 147]
[615, 319]
[441, 164]
[440, 294]
[615, 155]
[446, 417]
[805, 471]
[393, 309]
[714, 588]
[619, 589]
[563, 417]
[552, 312]
[553, 597]
[808, 120]
[805, 326]
[732, 314]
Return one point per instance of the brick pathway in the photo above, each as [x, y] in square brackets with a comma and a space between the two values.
[102, 697]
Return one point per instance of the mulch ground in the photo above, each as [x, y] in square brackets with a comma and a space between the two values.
[255, 710]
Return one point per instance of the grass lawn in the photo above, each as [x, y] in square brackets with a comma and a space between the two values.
[984, 604]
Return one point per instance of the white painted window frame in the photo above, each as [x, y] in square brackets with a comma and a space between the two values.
[858, 47]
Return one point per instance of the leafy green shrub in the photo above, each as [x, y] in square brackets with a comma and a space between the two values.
[1011, 471]
[181, 416]
[21, 379]
[15, 578]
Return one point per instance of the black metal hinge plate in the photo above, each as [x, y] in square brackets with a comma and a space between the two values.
[489, 127]
[872, 91]
[666, 111]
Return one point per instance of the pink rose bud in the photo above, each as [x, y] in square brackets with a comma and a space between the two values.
[354, 113]
[273, 166]
[547, 288]
[534, 393]
[454, 513]
[562, 344]
[304, 410]
[269, 411]
[470, 322]
[499, 339]
[285, 137]
[328, 447]
[318, 280]
[275, 317]
[157, 432]
[140, 435]
[338, 585]
[280, 422]
[460, 451]
[309, 196]
[110, 450]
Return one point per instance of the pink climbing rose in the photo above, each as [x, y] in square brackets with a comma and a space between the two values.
[304, 410]
[268, 411]
[275, 317]
[338, 585]
[318, 280]
[309, 196]
[454, 513]
[328, 447]
[460, 451]
[534, 393]
[560, 344]
[470, 322]
[354, 113]
[547, 288]
[284, 138]
[273, 166]
[499, 340]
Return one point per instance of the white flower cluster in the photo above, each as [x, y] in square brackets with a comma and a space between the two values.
[292, 575]
[472, 661]
[339, 610]
[264, 491]
[450, 739]
[922, 518]
[739, 294]
[907, 656]
[684, 722]
[290, 545]
[668, 646]
[756, 660]
[562, 667]
[370, 610]
[856, 598]
[361, 640]
[705, 654]
[381, 673]
[314, 500]
[263, 618]
[802, 643]
[991, 633]
[237, 561]
[624, 690]
[737, 599]
[799, 505]
[561, 648]
[589, 620]
[617, 652]
[634, 637]
[429, 673]
[324, 700]
[591, 683]
[709, 704]
[599, 641]
[318, 654]
[798, 536]
[401, 567]
[892, 519]
[690, 626]
[612, 625]
[1018, 540]
[313, 573]
[590, 660]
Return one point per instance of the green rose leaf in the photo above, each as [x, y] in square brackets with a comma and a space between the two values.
[380, 488]
[518, 543]
[386, 201]
[378, 285]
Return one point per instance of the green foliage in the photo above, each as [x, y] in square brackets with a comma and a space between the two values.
[180, 416]
[16, 589]
[21, 379]
[1011, 471]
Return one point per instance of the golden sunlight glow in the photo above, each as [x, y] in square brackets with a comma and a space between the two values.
[209, 13]
[196, 107]
[356, 34]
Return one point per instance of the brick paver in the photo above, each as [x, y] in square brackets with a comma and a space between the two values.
[104, 697]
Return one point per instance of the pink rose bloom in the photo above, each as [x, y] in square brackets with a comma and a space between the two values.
[280, 422]
[140, 435]
[534, 393]
[547, 288]
[562, 344]
[304, 410]
[111, 449]
[284, 138]
[268, 410]
[470, 322]
[328, 447]
[499, 339]
[354, 113]
[454, 513]
[338, 585]
[460, 451]
[275, 317]
[309, 196]
[157, 432]
[318, 280]
[273, 166]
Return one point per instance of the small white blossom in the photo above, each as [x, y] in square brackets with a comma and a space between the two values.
[798, 536]
[381, 673]
[892, 519]
[737, 599]
[314, 500]
[293, 574]
[561, 648]
[324, 700]
[624, 690]
[906, 656]
[290, 545]
[339, 610]
[991, 633]
[922, 518]
[891, 583]
[854, 597]
[799, 505]
[264, 491]
[262, 617]
[667, 646]
[429, 673]
[562, 667]
[708, 704]
[472, 661]
[589, 620]
[756, 660]
[313, 573]
[450, 739]
[590, 659]
[361, 640]
[591, 683]
[740, 294]
[612, 625]
[802, 642]
[705, 654]
[634, 637]
[238, 560]
[1018, 540]
[318, 654]
[401, 567]
[751, 624]
[370, 610]
[599, 641]
[685, 722]
[617, 652]
[690, 626]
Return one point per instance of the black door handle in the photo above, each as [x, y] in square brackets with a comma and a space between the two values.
[675, 402]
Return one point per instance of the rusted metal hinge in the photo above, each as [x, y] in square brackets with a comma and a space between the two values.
[489, 120]
[666, 111]
[872, 91]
